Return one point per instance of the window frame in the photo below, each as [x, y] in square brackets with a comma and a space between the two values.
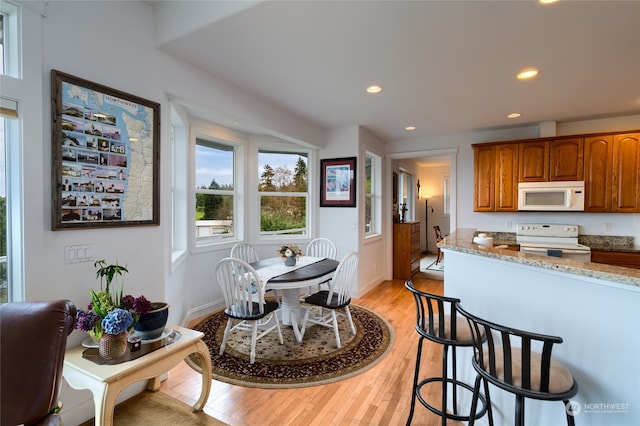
[374, 193]
[234, 140]
[273, 145]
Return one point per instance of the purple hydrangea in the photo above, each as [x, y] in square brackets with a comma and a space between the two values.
[86, 320]
[139, 306]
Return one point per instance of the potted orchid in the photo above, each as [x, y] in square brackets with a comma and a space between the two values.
[110, 312]
[290, 253]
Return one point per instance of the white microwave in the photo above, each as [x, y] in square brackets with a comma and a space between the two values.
[551, 196]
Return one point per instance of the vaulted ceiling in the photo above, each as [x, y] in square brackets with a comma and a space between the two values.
[446, 67]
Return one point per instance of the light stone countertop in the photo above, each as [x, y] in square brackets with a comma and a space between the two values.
[462, 240]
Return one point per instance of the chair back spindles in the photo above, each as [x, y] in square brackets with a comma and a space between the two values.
[245, 251]
[322, 247]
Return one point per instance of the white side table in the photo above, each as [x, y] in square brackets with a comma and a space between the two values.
[107, 381]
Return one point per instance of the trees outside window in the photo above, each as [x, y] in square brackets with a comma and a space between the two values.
[215, 164]
[283, 192]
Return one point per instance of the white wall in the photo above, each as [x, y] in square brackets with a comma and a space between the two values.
[80, 38]
[623, 224]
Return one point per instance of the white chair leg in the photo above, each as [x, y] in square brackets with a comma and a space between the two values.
[305, 319]
[226, 334]
[348, 312]
[254, 337]
[275, 318]
[335, 327]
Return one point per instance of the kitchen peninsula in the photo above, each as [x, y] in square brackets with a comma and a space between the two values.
[594, 307]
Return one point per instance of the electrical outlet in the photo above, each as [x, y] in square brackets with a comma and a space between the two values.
[607, 227]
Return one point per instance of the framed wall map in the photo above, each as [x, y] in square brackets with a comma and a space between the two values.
[106, 156]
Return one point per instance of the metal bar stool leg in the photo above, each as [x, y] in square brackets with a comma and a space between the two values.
[416, 374]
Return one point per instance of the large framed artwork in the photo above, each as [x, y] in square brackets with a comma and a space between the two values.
[338, 182]
[105, 156]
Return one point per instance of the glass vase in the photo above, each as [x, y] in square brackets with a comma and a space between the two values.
[112, 346]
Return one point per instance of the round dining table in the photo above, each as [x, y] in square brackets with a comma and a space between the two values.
[309, 271]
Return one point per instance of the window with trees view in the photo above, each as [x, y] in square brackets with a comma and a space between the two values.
[283, 192]
[372, 193]
[214, 190]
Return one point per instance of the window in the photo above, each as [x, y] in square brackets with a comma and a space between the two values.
[215, 191]
[11, 164]
[283, 192]
[9, 19]
[372, 193]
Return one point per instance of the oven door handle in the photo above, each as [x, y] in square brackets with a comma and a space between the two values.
[563, 250]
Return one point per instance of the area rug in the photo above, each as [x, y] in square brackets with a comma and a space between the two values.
[157, 408]
[315, 361]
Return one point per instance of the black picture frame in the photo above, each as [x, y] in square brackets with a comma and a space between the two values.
[105, 156]
[338, 182]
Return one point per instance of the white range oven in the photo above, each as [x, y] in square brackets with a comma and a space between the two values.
[552, 240]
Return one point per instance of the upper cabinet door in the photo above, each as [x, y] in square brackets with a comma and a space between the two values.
[626, 173]
[533, 159]
[484, 161]
[598, 152]
[566, 159]
[506, 182]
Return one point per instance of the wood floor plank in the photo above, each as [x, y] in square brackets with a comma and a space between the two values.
[379, 396]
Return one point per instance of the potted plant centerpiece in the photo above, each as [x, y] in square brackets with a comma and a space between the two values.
[110, 315]
[290, 253]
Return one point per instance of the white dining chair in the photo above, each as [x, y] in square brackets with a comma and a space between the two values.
[336, 300]
[245, 306]
[247, 253]
[321, 247]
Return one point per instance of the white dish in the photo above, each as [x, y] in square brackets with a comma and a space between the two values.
[165, 333]
[90, 343]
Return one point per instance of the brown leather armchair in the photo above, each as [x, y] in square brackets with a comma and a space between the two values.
[33, 339]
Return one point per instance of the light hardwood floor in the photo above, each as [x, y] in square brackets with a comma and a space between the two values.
[379, 396]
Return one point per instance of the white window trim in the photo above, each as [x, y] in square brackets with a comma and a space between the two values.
[179, 186]
[271, 144]
[238, 142]
[376, 194]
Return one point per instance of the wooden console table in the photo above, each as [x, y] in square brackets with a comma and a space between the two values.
[107, 381]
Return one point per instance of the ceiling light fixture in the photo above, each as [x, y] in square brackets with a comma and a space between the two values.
[374, 88]
[409, 128]
[528, 73]
[514, 115]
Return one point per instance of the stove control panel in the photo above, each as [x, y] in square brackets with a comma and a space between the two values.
[547, 230]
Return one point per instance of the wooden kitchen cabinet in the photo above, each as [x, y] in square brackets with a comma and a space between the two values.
[406, 249]
[625, 175]
[566, 160]
[551, 160]
[612, 173]
[496, 177]
[598, 160]
[506, 177]
[484, 171]
[533, 159]
[617, 258]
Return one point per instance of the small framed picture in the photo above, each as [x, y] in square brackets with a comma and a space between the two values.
[338, 182]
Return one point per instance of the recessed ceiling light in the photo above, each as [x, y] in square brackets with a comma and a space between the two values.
[374, 88]
[528, 73]
[409, 128]
[547, 1]
[514, 115]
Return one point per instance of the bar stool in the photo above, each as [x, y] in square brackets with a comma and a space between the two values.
[504, 357]
[450, 330]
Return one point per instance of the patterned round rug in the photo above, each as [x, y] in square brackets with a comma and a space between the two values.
[315, 361]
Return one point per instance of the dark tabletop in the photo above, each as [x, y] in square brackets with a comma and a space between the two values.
[308, 272]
